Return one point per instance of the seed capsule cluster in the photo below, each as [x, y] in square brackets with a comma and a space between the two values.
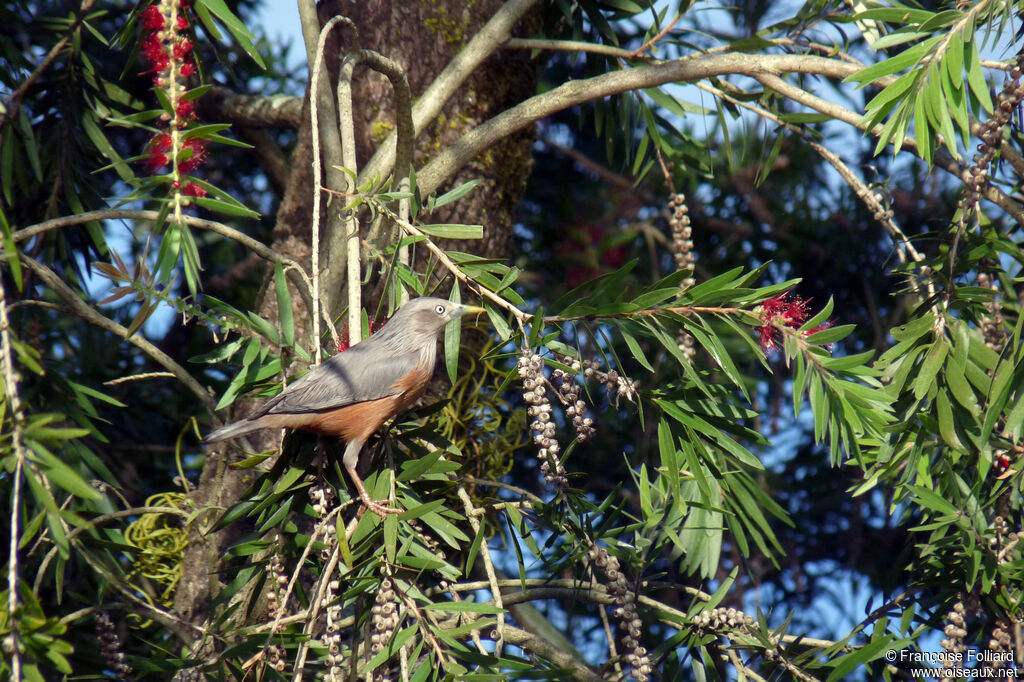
[385, 620]
[682, 236]
[614, 383]
[275, 658]
[992, 323]
[625, 611]
[723, 619]
[569, 394]
[992, 135]
[955, 631]
[277, 583]
[323, 499]
[111, 648]
[1000, 643]
[539, 410]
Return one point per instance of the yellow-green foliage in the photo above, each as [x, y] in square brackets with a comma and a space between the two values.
[161, 540]
[479, 421]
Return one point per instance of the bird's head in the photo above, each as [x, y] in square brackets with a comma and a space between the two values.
[428, 315]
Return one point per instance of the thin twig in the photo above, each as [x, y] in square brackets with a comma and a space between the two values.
[661, 34]
[521, 317]
[17, 424]
[304, 285]
[103, 518]
[903, 245]
[137, 377]
[485, 553]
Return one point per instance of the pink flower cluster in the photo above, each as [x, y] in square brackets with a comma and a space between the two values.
[784, 310]
[167, 48]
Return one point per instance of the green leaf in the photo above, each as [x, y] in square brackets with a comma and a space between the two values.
[284, 306]
[908, 57]
[635, 349]
[434, 203]
[453, 339]
[930, 367]
[831, 334]
[498, 320]
[947, 427]
[234, 26]
[454, 231]
[933, 501]
[233, 209]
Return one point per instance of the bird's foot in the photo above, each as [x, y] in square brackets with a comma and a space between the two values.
[378, 507]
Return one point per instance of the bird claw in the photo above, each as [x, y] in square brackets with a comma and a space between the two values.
[380, 508]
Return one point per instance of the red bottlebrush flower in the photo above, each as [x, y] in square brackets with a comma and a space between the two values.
[193, 190]
[186, 110]
[151, 18]
[152, 50]
[155, 161]
[784, 309]
[161, 142]
[182, 48]
[187, 69]
[198, 148]
[182, 22]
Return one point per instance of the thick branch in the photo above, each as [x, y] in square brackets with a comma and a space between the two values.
[429, 105]
[252, 111]
[580, 670]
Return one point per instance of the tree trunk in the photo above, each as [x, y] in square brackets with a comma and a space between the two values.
[422, 38]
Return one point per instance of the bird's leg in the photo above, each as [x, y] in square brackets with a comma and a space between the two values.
[351, 459]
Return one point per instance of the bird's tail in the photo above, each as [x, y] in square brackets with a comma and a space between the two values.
[239, 428]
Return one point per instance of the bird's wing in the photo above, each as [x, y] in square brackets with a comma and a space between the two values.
[354, 376]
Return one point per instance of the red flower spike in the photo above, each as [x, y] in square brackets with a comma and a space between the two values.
[343, 336]
[193, 190]
[182, 49]
[187, 69]
[161, 142]
[155, 161]
[198, 148]
[152, 20]
[186, 110]
[785, 310]
[182, 22]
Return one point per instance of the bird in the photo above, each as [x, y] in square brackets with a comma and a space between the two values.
[353, 393]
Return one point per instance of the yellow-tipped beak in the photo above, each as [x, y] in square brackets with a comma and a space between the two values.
[467, 309]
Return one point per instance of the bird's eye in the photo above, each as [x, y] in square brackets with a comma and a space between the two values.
[439, 309]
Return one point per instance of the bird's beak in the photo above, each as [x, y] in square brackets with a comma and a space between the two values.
[467, 309]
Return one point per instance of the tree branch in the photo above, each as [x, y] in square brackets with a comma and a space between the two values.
[764, 68]
[251, 111]
[495, 32]
[298, 273]
[86, 312]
